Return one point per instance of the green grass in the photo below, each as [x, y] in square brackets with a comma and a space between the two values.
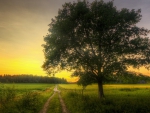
[119, 99]
[30, 98]
[24, 98]
[55, 106]
[21, 88]
[110, 90]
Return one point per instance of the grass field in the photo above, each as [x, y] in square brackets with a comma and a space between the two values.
[23, 87]
[24, 98]
[118, 98]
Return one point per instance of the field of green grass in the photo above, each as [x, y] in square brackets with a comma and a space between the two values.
[118, 98]
[21, 88]
[24, 98]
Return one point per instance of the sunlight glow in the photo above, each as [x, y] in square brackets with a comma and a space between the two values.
[23, 23]
[141, 70]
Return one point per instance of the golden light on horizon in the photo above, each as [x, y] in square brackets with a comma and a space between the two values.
[29, 66]
[23, 23]
[141, 70]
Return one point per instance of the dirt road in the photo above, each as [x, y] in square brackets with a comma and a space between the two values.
[45, 108]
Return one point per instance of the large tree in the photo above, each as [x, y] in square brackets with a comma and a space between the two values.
[95, 39]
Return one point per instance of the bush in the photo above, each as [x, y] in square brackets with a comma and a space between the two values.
[8, 100]
[29, 103]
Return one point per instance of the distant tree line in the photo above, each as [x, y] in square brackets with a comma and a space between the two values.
[30, 79]
[124, 78]
[129, 78]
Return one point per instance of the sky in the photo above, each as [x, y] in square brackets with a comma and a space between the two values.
[23, 23]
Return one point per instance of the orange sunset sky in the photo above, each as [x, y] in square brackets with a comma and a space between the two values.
[23, 23]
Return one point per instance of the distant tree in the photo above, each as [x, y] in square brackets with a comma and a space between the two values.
[85, 79]
[96, 38]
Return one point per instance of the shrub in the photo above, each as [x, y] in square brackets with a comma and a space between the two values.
[7, 100]
[29, 103]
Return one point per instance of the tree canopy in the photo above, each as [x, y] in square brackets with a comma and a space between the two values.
[97, 39]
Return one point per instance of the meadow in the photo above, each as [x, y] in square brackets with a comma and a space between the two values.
[119, 98]
[24, 98]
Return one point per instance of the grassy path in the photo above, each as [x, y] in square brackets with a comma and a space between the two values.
[64, 108]
[44, 110]
[46, 105]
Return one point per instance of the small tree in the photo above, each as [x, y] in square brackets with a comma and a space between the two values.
[96, 38]
[84, 80]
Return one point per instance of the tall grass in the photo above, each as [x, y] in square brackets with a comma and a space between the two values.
[119, 99]
[30, 101]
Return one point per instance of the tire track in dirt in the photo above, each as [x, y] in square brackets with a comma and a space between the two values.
[64, 108]
[45, 108]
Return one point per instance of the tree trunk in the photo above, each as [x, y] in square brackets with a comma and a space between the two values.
[100, 89]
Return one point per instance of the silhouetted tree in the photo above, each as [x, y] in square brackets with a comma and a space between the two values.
[85, 79]
[96, 38]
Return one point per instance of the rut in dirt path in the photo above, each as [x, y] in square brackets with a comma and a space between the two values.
[45, 108]
[64, 108]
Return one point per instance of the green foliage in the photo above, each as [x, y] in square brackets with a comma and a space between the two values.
[29, 103]
[120, 99]
[128, 78]
[7, 100]
[84, 80]
[97, 39]
[23, 98]
[7, 93]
